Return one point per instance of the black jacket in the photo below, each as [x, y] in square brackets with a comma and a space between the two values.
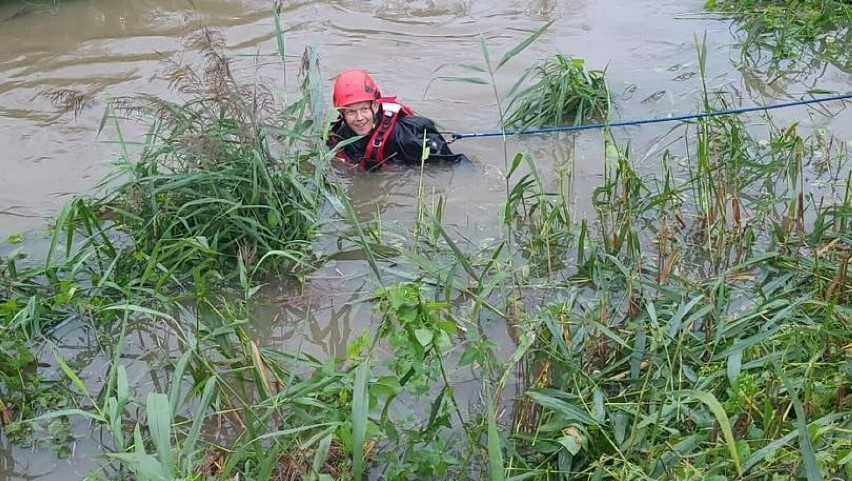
[404, 145]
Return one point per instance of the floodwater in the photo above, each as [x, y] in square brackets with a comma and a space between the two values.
[108, 48]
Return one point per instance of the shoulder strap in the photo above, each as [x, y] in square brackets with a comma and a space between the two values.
[405, 109]
[374, 154]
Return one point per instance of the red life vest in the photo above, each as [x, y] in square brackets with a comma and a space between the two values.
[374, 152]
[399, 136]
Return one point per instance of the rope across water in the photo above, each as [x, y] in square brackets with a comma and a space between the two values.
[625, 123]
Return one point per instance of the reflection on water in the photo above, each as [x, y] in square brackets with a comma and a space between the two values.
[319, 325]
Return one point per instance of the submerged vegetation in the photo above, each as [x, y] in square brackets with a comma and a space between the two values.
[563, 91]
[695, 326]
[791, 35]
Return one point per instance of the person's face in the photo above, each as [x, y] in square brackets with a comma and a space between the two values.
[359, 116]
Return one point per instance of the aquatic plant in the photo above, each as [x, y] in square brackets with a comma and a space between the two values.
[214, 174]
[660, 361]
[224, 188]
[799, 35]
[563, 91]
[695, 326]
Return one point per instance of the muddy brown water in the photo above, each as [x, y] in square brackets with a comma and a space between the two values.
[119, 47]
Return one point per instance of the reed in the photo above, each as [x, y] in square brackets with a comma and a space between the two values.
[695, 326]
[788, 38]
[563, 90]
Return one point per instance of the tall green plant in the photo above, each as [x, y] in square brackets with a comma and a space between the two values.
[219, 175]
[563, 91]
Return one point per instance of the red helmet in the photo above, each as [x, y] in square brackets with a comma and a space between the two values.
[353, 86]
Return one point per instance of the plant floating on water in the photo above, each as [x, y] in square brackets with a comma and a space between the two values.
[563, 91]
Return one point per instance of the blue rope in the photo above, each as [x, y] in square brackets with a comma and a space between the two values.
[623, 123]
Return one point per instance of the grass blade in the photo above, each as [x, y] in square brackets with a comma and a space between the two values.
[777, 444]
[198, 422]
[724, 423]
[469, 80]
[560, 406]
[321, 454]
[360, 405]
[140, 310]
[177, 380]
[805, 445]
[72, 375]
[160, 425]
[496, 470]
[523, 45]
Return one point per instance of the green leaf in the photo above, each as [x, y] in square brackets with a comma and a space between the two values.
[496, 470]
[321, 454]
[139, 310]
[485, 53]
[291, 431]
[675, 324]
[68, 412]
[425, 150]
[75, 379]
[160, 426]
[279, 36]
[272, 218]
[805, 445]
[619, 426]
[122, 386]
[177, 379]
[571, 444]
[470, 66]
[534, 474]
[598, 409]
[734, 366]
[779, 443]
[360, 406]
[469, 80]
[145, 466]
[424, 336]
[516, 162]
[385, 386]
[523, 45]
[568, 411]
[198, 421]
[721, 417]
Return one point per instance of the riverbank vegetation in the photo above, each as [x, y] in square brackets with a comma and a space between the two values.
[793, 36]
[695, 326]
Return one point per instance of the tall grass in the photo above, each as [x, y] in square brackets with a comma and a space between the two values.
[687, 364]
[695, 327]
[225, 187]
[692, 330]
[219, 172]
